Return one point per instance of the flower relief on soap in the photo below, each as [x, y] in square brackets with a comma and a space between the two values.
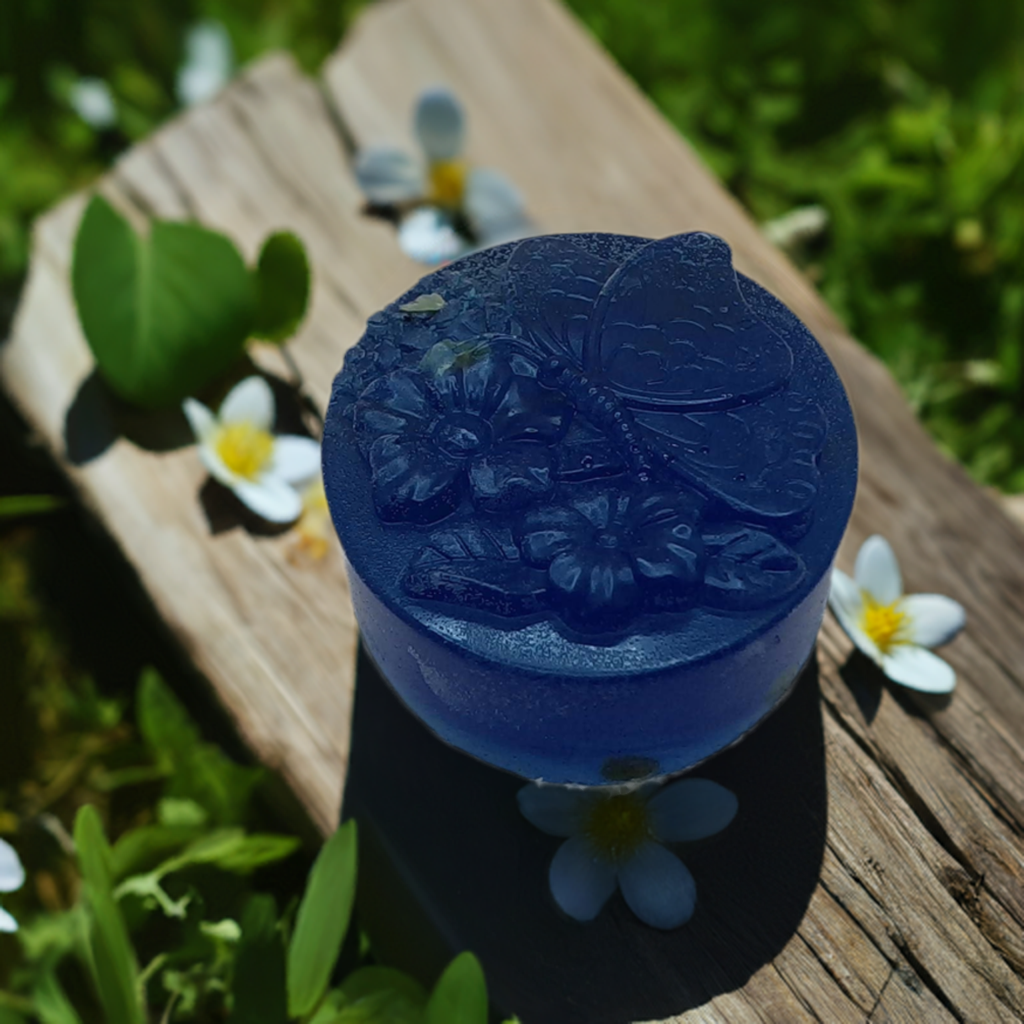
[595, 436]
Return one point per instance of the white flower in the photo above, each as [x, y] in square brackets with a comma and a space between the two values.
[12, 877]
[443, 184]
[427, 236]
[894, 630]
[239, 450]
[92, 101]
[614, 836]
[209, 61]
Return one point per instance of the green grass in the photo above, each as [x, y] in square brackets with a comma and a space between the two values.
[906, 122]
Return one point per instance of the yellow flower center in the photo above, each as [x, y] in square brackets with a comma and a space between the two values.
[447, 183]
[617, 826]
[244, 448]
[883, 623]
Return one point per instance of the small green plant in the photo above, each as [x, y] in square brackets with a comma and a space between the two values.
[261, 975]
[176, 921]
[167, 313]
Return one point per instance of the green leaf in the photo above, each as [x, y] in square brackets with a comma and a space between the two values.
[282, 287]
[52, 1004]
[322, 921]
[228, 849]
[259, 985]
[367, 980]
[47, 938]
[375, 995]
[112, 960]
[144, 847]
[329, 1011]
[234, 851]
[226, 930]
[164, 315]
[460, 996]
[179, 811]
[196, 771]
[384, 1007]
[28, 504]
[94, 853]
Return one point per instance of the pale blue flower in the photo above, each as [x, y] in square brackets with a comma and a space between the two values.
[613, 838]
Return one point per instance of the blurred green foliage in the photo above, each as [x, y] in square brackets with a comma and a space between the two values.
[905, 121]
[136, 47]
[902, 118]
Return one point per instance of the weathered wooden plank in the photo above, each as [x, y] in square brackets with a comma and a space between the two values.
[917, 911]
[275, 635]
[590, 154]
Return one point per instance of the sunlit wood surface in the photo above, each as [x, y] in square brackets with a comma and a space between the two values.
[916, 909]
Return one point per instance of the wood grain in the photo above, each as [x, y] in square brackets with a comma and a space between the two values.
[922, 916]
[917, 912]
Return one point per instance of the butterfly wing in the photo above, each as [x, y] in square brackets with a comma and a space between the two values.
[759, 459]
[554, 287]
[671, 331]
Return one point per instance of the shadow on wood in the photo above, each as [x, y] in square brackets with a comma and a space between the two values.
[97, 417]
[449, 864]
[867, 681]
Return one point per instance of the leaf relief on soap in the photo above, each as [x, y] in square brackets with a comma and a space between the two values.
[475, 567]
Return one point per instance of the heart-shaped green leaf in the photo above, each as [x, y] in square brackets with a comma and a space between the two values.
[164, 315]
[282, 287]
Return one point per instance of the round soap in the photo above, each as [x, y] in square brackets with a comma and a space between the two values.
[590, 488]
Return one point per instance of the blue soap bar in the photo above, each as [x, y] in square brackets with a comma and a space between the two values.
[590, 504]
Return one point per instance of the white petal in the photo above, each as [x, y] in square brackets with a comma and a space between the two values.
[7, 923]
[250, 401]
[691, 809]
[439, 124]
[295, 459]
[580, 882]
[658, 887]
[200, 419]
[270, 499]
[845, 598]
[918, 669]
[847, 603]
[12, 874]
[427, 236]
[877, 570]
[552, 809]
[386, 175]
[933, 618]
[495, 208]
